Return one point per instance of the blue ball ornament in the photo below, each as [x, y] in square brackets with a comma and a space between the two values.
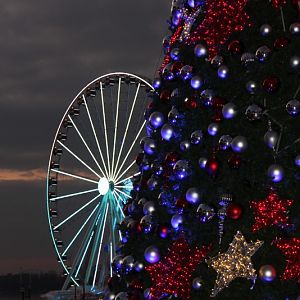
[150, 146]
[229, 110]
[200, 50]
[213, 129]
[186, 72]
[267, 273]
[297, 161]
[276, 172]
[202, 162]
[175, 54]
[239, 144]
[157, 83]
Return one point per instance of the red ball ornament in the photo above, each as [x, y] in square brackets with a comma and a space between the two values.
[181, 203]
[234, 211]
[218, 102]
[165, 95]
[218, 116]
[212, 167]
[139, 158]
[235, 47]
[234, 161]
[176, 66]
[271, 84]
[281, 43]
[171, 158]
[191, 102]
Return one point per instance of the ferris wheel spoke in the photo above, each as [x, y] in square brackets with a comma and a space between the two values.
[73, 195]
[100, 224]
[125, 194]
[105, 128]
[130, 149]
[86, 145]
[124, 186]
[80, 230]
[116, 128]
[117, 196]
[95, 135]
[82, 251]
[79, 159]
[128, 168]
[100, 245]
[74, 176]
[126, 129]
[76, 212]
[127, 178]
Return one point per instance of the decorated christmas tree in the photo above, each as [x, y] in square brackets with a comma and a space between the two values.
[216, 209]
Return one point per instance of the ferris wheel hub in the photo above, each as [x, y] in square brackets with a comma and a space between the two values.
[103, 186]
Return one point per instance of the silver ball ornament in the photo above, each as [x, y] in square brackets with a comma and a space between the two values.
[185, 146]
[138, 266]
[150, 146]
[197, 283]
[254, 112]
[109, 296]
[225, 142]
[229, 110]
[205, 212]
[295, 28]
[202, 162]
[196, 82]
[263, 53]
[213, 129]
[271, 138]
[295, 62]
[239, 144]
[152, 255]
[276, 172]
[217, 61]
[186, 72]
[193, 195]
[251, 87]
[293, 107]
[267, 273]
[247, 58]
[197, 137]
[265, 29]
[152, 183]
[149, 208]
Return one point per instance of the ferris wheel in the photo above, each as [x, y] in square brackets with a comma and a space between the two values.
[90, 174]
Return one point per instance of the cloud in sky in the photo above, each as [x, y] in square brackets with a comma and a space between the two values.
[49, 50]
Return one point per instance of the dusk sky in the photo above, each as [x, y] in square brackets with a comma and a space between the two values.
[49, 51]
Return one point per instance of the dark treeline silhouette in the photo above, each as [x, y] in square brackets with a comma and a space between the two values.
[37, 282]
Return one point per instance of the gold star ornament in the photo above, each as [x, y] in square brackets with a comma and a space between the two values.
[234, 263]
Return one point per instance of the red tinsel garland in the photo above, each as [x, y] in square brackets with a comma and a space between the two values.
[173, 274]
[222, 18]
[291, 249]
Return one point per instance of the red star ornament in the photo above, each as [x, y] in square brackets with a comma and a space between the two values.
[291, 249]
[173, 274]
[270, 211]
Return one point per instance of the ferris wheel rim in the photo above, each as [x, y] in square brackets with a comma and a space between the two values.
[116, 176]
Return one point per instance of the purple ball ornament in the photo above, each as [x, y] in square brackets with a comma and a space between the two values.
[176, 221]
[196, 82]
[193, 195]
[213, 129]
[151, 255]
[167, 132]
[200, 50]
[157, 83]
[223, 72]
[229, 110]
[157, 119]
[167, 72]
[239, 144]
[150, 146]
[175, 54]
